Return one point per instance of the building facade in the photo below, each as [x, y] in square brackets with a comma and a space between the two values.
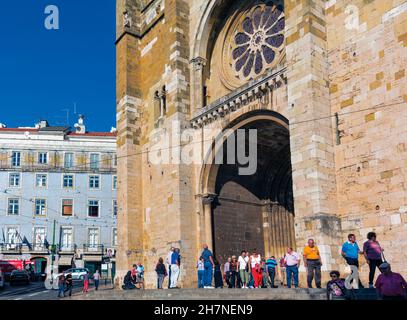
[58, 190]
[323, 84]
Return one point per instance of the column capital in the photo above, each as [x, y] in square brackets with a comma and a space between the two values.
[198, 63]
[208, 198]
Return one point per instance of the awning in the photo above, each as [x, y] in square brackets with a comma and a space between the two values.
[65, 261]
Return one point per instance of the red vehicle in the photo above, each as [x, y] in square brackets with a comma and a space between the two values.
[8, 266]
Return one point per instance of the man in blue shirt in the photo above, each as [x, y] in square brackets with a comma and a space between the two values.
[175, 262]
[351, 251]
[209, 265]
[271, 268]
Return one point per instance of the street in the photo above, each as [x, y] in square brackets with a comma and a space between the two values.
[36, 291]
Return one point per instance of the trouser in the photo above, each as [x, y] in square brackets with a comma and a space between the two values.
[314, 267]
[96, 284]
[201, 278]
[272, 275]
[251, 280]
[208, 274]
[227, 278]
[292, 271]
[244, 276]
[61, 290]
[283, 275]
[352, 280]
[169, 276]
[258, 277]
[232, 280]
[85, 285]
[373, 264]
[160, 280]
[174, 275]
[69, 290]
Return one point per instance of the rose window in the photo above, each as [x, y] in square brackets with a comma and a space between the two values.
[259, 42]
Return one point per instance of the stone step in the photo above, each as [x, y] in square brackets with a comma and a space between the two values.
[207, 294]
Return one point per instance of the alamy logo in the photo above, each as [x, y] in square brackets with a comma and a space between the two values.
[232, 147]
[52, 19]
[352, 19]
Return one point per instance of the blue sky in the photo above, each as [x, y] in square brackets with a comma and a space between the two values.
[45, 71]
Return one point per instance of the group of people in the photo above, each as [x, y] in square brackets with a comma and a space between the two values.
[251, 270]
[134, 278]
[65, 283]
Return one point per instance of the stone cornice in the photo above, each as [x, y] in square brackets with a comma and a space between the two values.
[238, 98]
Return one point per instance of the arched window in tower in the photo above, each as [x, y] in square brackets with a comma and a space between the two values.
[157, 105]
[163, 102]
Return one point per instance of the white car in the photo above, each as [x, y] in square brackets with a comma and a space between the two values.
[77, 273]
[1, 279]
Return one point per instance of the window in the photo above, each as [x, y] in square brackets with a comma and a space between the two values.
[115, 160]
[16, 159]
[93, 238]
[94, 160]
[13, 206]
[12, 235]
[94, 182]
[42, 157]
[68, 160]
[14, 180]
[40, 207]
[66, 239]
[67, 181]
[114, 183]
[93, 208]
[39, 237]
[41, 180]
[114, 208]
[114, 237]
[67, 207]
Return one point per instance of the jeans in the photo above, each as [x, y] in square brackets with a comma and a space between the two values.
[96, 284]
[373, 263]
[232, 279]
[272, 274]
[292, 271]
[208, 272]
[69, 290]
[314, 266]
[160, 280]
[61, 290]
[201, 278]
[244, 276]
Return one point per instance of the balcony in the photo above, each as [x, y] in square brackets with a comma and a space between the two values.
[38, 248]
[11, 248]
[96, 249]
[67, 248]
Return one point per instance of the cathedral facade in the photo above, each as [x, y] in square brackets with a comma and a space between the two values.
[322, 87]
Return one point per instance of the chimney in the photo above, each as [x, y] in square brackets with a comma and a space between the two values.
[42, 124]
[80, 126]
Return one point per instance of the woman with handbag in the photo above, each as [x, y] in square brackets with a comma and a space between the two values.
[373, 253]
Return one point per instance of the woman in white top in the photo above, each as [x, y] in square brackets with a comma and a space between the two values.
[244, 269]
[255, 263]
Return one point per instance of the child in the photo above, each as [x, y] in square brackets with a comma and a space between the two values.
[271, 264]
[140, 275]
[161, 273]
[201, 270]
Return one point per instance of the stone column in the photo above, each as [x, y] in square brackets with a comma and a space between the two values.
[266, 211]
[198, 82]
[207, 202]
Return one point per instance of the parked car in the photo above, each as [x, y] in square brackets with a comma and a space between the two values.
[1, 279]
[18, 276]
[77, 273]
